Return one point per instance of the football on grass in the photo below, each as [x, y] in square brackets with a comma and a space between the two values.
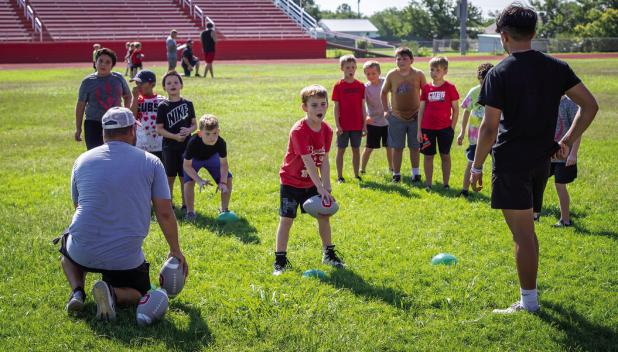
[172, 277]
[315, 206]
[152, 307]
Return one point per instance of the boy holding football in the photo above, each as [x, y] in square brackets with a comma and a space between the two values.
[306, 173]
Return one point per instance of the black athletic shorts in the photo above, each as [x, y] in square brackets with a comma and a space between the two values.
[520, 190]
[158, 155]
[137, 278]
[375, 135]
[443, 137]
[172, 161]
[562, 173]
[291, 197]
[93, 133]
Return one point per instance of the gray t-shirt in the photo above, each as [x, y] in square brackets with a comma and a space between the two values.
[374, 103]
[566, 114]
[170, 43]
[113, 186]
[102, 93]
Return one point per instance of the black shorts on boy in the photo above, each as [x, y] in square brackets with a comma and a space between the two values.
[443, 138]
[520, 190]
[375, 135]
[136, 278]
[291, 197]
[563, 174]
[172, 161]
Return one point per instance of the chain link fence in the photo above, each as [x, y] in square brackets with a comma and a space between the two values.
[491, 44]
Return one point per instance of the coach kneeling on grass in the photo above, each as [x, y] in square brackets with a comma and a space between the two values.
[113, 187]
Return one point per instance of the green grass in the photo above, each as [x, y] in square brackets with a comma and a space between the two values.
[389, 299]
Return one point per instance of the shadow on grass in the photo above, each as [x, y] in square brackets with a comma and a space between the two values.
[240, 229]
[347, 279]
[579, 332]
[193, 337]
[388, 188]
[553, 211]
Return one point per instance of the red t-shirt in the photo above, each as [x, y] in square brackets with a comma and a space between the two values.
[136, 57]
[350, 98]
[438, 100]
[303, 140]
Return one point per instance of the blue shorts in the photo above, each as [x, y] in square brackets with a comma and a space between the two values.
[470, 151]
[212, 165]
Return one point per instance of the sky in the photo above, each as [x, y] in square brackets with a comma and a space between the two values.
[368, 7]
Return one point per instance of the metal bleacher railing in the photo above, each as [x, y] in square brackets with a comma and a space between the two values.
[195, 12]
[37, 26]
[299, 15]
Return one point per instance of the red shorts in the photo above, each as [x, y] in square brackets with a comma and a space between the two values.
[209, 57]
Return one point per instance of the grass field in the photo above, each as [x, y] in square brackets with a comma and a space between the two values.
[389, 299]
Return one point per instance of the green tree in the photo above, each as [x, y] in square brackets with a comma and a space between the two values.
[310, 7]
[602, 24]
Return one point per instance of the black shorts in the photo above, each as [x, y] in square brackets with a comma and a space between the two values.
[470, 151]
[158, 155]
[136, 278]
[291, 197]
[172, 161]
[520, 190]
[562, 173]
[93, 133]
[375, 134]
[443, 137]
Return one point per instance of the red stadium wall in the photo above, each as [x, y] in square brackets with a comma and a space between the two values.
[61, 52]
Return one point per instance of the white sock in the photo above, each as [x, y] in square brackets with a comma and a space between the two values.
[529, 299]
[416, 171]
[396, 173]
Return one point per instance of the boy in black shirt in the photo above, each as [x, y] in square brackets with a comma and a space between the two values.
[207, 150]
[525, 88]
[175, 122]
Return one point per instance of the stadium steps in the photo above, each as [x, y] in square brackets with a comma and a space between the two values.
[116, 20]
[13, 24]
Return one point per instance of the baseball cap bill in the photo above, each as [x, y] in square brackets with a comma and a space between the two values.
[118, 117]
[144, 76]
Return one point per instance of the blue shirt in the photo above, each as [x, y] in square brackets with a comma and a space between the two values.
[113, 185]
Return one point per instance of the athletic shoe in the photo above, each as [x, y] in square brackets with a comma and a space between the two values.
[464, 193]
[427, 188]
[197, 75]
[105, 299]
[76, 301]
[416, 179]
[331, 257]
[536, 218]
[514, 308]
[396, 178]
[447, 187]
[190, 216]
[562, 223]
[183, 209]
[340, 180]
[358, 178]
[281, 265]
[362, 172]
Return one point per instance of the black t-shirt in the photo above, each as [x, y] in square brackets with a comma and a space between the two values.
[527, 87]
[207, 42]
[196, 149]
[173, 116]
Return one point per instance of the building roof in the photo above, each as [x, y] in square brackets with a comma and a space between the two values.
[348, 25]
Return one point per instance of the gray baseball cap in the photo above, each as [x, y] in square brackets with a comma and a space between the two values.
[118, 117]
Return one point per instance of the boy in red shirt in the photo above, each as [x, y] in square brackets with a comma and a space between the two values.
[136, 59]
[305, 173]
[350, 115]
[437, 120]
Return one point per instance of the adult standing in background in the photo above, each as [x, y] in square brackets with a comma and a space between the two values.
[209, 40]
[98, 92]
[172, 50]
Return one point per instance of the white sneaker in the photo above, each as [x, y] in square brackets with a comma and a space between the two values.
[103, 296]
[75, 303]
[514, 308]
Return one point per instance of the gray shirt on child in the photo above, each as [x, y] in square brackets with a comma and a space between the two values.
[102, 93]
[113, 186]
[373, 98]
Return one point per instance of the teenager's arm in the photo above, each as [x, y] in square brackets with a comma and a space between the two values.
[339, 131]
[80, 107]
[572, 158]
[455, 115]
[487, 136]
[127, 100]
[224, 171]
[312, 170]
[167, 221]
[419, 120]
[167, 134]
[325, 173]
[464, 127]
[134, 102]
[588, 108]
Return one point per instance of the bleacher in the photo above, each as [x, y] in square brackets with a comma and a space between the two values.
[12, 29]
[69, 20]
[250, 19]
